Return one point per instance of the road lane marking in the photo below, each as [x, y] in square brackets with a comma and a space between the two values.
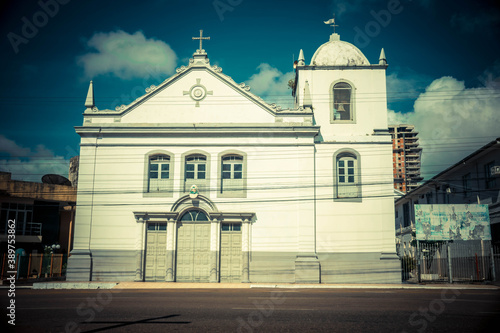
[48, 308]
[254, 308]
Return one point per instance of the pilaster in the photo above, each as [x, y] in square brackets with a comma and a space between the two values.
[170, 270]
[245, 250]
[214, 250]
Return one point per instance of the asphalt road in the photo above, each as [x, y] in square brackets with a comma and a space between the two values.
[254, 310]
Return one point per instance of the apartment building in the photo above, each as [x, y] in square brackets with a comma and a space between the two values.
[406, 155]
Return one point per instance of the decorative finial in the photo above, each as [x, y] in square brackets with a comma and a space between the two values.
[301, 60]
[382, 60]
[331, 22]
[201, 38]
[89, 102]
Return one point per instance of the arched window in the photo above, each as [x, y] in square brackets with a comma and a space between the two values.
[342, 102]
[196, 167]
[193, 216]
[232, 175]
[347, 176]
[232, 167]
[196, 172]
[159, 173]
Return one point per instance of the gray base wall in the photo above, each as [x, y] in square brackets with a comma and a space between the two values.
[265, 267]
[79, 266]
[277, 267]
[272, 267]
[105, 265]
[359, 268]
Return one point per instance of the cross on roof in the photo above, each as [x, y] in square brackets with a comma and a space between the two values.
[201, 38]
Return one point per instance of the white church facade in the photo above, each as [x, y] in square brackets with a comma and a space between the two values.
[200, 180]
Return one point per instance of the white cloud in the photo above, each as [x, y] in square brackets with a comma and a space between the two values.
[12, 148]
[30, 165]
[272, 85]
[126, 55]
[452, 121]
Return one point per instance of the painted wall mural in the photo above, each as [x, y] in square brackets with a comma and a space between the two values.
[452, 222]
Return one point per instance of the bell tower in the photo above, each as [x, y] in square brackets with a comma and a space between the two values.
[346, 93]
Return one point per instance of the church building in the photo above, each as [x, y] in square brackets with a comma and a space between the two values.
[200, 180]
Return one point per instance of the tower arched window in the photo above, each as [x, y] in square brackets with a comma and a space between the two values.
[342, 102]
[347, 175]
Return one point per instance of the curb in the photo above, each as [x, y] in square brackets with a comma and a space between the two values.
[370, 286]
[174, 285]
[74, 285]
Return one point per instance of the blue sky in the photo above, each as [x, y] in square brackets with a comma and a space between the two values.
[443, 63]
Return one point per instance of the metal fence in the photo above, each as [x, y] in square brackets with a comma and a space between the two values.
[35, 266]
[459, 261]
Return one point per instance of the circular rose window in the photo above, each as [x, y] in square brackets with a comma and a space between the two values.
[198, 92]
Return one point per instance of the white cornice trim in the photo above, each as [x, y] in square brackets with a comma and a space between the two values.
[162, 145]
[193, 129]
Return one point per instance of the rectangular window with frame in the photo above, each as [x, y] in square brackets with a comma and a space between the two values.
[231, 227]
[490, 180]
[22, 214]
[406, 214]
[466, 184]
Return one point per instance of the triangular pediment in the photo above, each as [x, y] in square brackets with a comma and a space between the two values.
[198, 93]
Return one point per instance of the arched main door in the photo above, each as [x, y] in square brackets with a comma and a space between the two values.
[193, 247]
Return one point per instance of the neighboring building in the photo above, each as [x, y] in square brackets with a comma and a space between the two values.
[73, 170]
[201, 180]
[405, 157]
[470, 181]
[43, 213]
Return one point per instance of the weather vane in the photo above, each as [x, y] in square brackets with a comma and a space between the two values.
[331, 22]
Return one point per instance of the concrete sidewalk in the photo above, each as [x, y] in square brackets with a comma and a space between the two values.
[180, 285]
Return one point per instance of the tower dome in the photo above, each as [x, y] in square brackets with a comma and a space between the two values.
[338, 53]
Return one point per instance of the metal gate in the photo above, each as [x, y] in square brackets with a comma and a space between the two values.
[458, 261]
